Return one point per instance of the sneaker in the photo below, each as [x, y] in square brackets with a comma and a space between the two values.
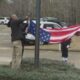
[64, 59]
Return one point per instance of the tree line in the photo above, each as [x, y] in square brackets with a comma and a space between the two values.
[65, 10]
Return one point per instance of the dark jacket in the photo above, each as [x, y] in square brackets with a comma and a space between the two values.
[24, 25]
[66, 43]
[16, 30]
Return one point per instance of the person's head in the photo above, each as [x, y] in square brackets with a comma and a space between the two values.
[26, 17]
[14, 17]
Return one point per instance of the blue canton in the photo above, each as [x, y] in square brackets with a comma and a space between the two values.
[44, 35]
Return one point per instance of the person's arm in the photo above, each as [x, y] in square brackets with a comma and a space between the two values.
[8, 24]
[23, 24]
[68, 43]
[26, 30]
[20, 21]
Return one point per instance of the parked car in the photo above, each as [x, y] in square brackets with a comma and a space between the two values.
[4, 20]
[30, 39]
[53, 19]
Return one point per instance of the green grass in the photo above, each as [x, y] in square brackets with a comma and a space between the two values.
[48, 70]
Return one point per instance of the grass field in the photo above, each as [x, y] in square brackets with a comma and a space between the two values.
[48, 70]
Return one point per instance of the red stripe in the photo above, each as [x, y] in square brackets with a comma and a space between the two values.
[63, 33]
[60, 34]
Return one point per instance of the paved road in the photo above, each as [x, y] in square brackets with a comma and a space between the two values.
[6, 51]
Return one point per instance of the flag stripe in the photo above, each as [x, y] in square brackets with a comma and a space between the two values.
[62, 38]
[62, 33]
[62, 29]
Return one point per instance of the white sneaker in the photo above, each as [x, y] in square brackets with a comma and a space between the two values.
[64, 59]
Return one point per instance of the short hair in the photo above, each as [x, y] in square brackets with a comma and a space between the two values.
[14, 16]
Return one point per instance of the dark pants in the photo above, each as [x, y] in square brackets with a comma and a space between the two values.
[64, 49]
[22, 49]
[23, 40]
[23, 44]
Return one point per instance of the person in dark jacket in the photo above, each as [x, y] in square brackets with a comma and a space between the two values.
[24, 25]
[64, 49]
[16, 37]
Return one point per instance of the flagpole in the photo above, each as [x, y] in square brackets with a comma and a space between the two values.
[38, 5]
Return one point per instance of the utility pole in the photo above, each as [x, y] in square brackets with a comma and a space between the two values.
[38, 10]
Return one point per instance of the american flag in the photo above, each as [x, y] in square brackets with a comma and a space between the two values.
[54, 35]
[44, 35]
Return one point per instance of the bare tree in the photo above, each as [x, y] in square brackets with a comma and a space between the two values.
[66, 10]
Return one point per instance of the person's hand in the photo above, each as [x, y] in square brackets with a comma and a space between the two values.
[68, 46]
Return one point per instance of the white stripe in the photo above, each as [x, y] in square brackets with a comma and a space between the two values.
[63, 37]
[60, 30]
[55, 42]
[78, 29]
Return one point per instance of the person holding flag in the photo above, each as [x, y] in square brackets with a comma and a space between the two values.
[64, 49]
[16, 38]
[24, 25]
